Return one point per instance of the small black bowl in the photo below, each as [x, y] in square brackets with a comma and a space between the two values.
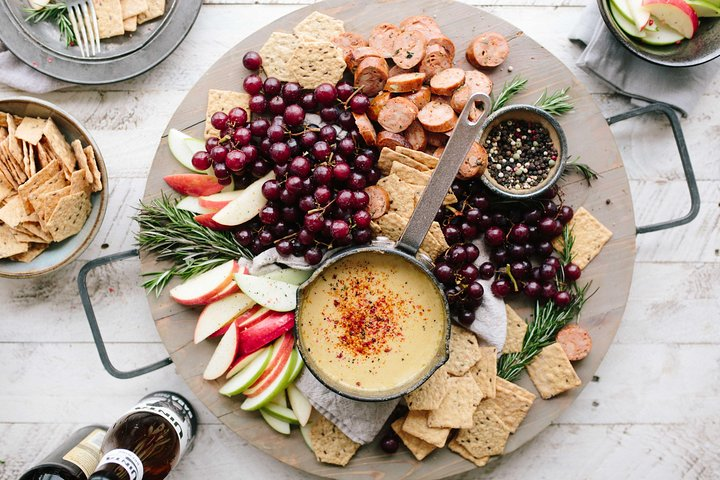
[703, 47]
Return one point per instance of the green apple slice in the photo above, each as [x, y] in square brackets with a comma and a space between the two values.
[281, 413]
[305, 432]
[192, 204]
[704, 9]
[664, 36]
[290, 275]
[622, 7]
[299, 404]
[625, 25]
[246, 206]
[275, 423]
[273, 294]
[183, 150]
[280, 399]
[298, 367]
[278, 385]
[195, 144]
[247, 376]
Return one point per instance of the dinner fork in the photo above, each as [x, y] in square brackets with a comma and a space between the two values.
[85, 26]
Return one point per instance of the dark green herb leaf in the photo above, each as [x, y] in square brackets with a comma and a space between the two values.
[510, 89]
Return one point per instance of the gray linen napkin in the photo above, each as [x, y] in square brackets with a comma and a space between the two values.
[17, 75]
[634, 77]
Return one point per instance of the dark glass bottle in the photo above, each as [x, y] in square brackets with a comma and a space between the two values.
[75, 459]
[148, 441]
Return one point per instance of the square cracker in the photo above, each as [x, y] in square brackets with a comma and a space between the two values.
[416, 425]
[276, 54]
[13, 212]
[392, 225]
[13, 144]
[388, 156]
[133, 8]
[590, 237]
[156, 9]
[410, 175]
[6, 188]
[59, 147]
[485, 371]
[130, 24]
[454, 446]
[33, 228]
[318, 26]
[402, 195]
[43, 157]
[48, 176]
[11, 168]
[8, 245]
[464, 351]
[69, 216]
[486, 437]
[552, 373]
[109, 18]
[430, 395]
[82, 161]
[419, 448]
[3, 133]
[511, 403]
[516, 328]
[92, 163]
[33, 251]
[421, 157]
[30, 130]
[313, 63]
[330, 444]
[457, 408]
[223, 101]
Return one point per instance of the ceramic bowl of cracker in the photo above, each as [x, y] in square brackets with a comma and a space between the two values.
[52, 188]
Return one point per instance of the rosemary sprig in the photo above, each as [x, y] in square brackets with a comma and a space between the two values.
[56, 13]
[557, 103]
[510, 89]
[566, 255]
[583, 169]
[173, 234]
[547, 322]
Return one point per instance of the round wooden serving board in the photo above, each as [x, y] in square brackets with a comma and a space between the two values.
[608, 199]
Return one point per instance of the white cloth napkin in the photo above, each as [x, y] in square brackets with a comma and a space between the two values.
[490, 323]
[17, 75]
[611, 62]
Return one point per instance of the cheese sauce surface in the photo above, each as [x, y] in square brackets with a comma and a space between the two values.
[372, 321]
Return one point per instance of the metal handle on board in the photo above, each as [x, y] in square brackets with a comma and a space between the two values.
[92, 320]
[684, 159]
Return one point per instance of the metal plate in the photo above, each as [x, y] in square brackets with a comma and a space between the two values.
[123, 57]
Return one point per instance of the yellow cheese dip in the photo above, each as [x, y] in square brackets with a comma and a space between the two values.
[372, 322]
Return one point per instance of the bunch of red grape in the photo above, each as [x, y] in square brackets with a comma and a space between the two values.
[518, 235]
[317, 199]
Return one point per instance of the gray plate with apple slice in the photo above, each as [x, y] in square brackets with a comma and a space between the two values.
[703, 47]
[40, 46]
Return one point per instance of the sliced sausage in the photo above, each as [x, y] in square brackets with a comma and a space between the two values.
[575, 341]
[371, 75]
[416, 136]
[405, 82]
[382, 38]
[437, 117]
[409, 49]
[474, 82]
[397, 114]
[437, 139]
[376, 104]
[348, 41]
[436, 59]
[475, 162]
[395, 70]
[423, 24]
[419, 98]
[379, 202]
[358, 54]
[391, 140]
[487, 50]
[444, 42]
[438, 152]
[445, 82]
[366, 128]
[440, 99]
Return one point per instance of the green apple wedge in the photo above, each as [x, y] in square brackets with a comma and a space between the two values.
[622, 7]
[298, 367]
[299, 404]
[281, 413]
[305, 432]
[625, 25]
[275, 423]
[274, 294]
[664, 36]
[246, 206]
[247, 376]
[704, 8]
[183, 150]
[192, 204]
[278, 385]
[290, 275]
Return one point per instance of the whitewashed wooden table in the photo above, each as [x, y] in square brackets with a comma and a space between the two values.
[653, 411]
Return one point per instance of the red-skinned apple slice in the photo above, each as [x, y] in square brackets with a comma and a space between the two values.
[194, 184]
[206, 220]
[280, 383]
[281, 355]
[229, 290]
[200, 289]
[242, 361]
[192, 204]
[266, 331]
[246, 206]
[223, 356]
[219, 200]
[640, 15]
[676, 14]
[238, 383]
[255, 315]
[218, 314]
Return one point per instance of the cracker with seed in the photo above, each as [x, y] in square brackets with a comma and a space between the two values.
[388, 156]
[434, 243]
[69, 216]
[34, 229]
[457, 408]
[421, 157]
[11, 170]
[464, 351]
[485, 371]
[31, 159]
[318, 26]
[130, 24]
[416, 424]
[454, 446]
[552, 373]
[109, 18]
[511, 403]
[486, 437]
[30, 130]
[133, 8]
[402, 196]
[516, 328]
[430, 394]
[6, 171]
[330, 444]
[43, 157]
[13, 212]
[8, 245]
[82, 161]
[59, 147]
[276, 54]
[6, 189]
[3, 133]
[223, 101]
[13, 143]
[419, 448]
[313, 63]
[92, 163]
[590, 237]
[78, 183]
[45, 203]
[33, 251]
[48, 176]
[410, 175]
[26, 160]
[392, 225]
[156, 9]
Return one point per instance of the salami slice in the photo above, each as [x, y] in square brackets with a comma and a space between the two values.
[383, 37]
[409, 49]
[391, 140]
[371, 74]
[379, 202]
[405, 82]
[416, 136]
[437, 117]
[487, 50]
[397, 114]
[575, 341]
[436, 60]
[445, 82]
[366, 128]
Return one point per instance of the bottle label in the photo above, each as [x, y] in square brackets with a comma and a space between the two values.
[86, 454]
[126, 459]
[174, 410]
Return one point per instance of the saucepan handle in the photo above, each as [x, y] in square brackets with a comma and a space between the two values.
[684, 159]
[458, 146]
[92, 320]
